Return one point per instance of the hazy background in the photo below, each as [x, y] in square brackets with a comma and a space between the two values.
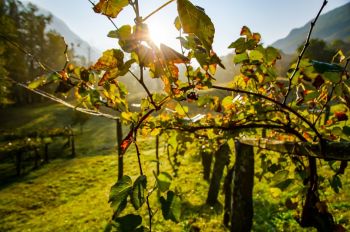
[272, 18]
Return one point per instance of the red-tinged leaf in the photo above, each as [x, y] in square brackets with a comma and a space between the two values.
[104, 78]
[329, 122]
[306, 136]
[257, 37]
[110, 59]
[246, 31]
[110, 8]
[341, 116]
[63, 75]
[126, 142]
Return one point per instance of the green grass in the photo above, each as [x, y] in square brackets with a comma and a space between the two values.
[71, 194]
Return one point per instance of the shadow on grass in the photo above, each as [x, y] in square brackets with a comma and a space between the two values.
[203, 210]
[8, 175]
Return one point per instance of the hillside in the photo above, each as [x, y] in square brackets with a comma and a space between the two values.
[333, 25]
[81, 47]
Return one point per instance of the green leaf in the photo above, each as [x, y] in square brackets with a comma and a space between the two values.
[164, 181]
[311, 95]
[110, 8]
[227, 102]
[181, 110]
[256, 56]
[119, 194]
[280, 176]
[194, 20]
[284, 184]
[123, 33]
[128, 223]
[346, 130]
[270, 54]
[138, 192]
[177, 23]
[171, 207]
[239, 58]
[239, 45]
[37, 82]
[335, 183]
[331, 76]
[322, 67]
[337, 131]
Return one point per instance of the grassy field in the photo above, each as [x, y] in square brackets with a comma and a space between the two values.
[71, 194]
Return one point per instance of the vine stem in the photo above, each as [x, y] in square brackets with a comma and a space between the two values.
[283, 106]
[158, 9]
[306, 45]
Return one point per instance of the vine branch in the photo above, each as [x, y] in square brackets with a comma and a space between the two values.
[306, 45]
[158, 9]
[283, 106]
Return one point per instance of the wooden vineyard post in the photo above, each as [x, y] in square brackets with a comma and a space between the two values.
[18, 162]
[46, 153]
[221, 160]
[207, 159]
[119, 142]
[157, 154]
[243, 182]
[72, 142]
[36, 158]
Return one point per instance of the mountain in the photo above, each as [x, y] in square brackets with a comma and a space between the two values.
[333, 25]
[81, 47]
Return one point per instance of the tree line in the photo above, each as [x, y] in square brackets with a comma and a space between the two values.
[24, 27]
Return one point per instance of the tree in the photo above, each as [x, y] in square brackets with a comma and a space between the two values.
[22, 27]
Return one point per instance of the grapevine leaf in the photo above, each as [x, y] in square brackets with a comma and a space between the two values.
[123, 33]
[246, 31]
[110, 8]
[239, 58]
[332, 77]
[346, 130]
[164, 181]
[194, 20]
[335, 183]
[177, 23]
[239, 45]
[227, 102]
[284, 184]
[110, 59]
[138, 192]
[129, 222]
[322, 67]
[280, 176]
[37, 82]
[256, 55]
[270, 54]
[181, 110]
[171, 207]
[126, 142]
[170, 55]
[119, 194]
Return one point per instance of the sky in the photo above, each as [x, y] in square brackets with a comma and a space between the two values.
[273, 19]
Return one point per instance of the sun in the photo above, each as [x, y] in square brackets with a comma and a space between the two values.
[161, 33]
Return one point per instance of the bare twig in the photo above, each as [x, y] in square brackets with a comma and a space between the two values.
[306, 45]
[58, 100]
[158, 9]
